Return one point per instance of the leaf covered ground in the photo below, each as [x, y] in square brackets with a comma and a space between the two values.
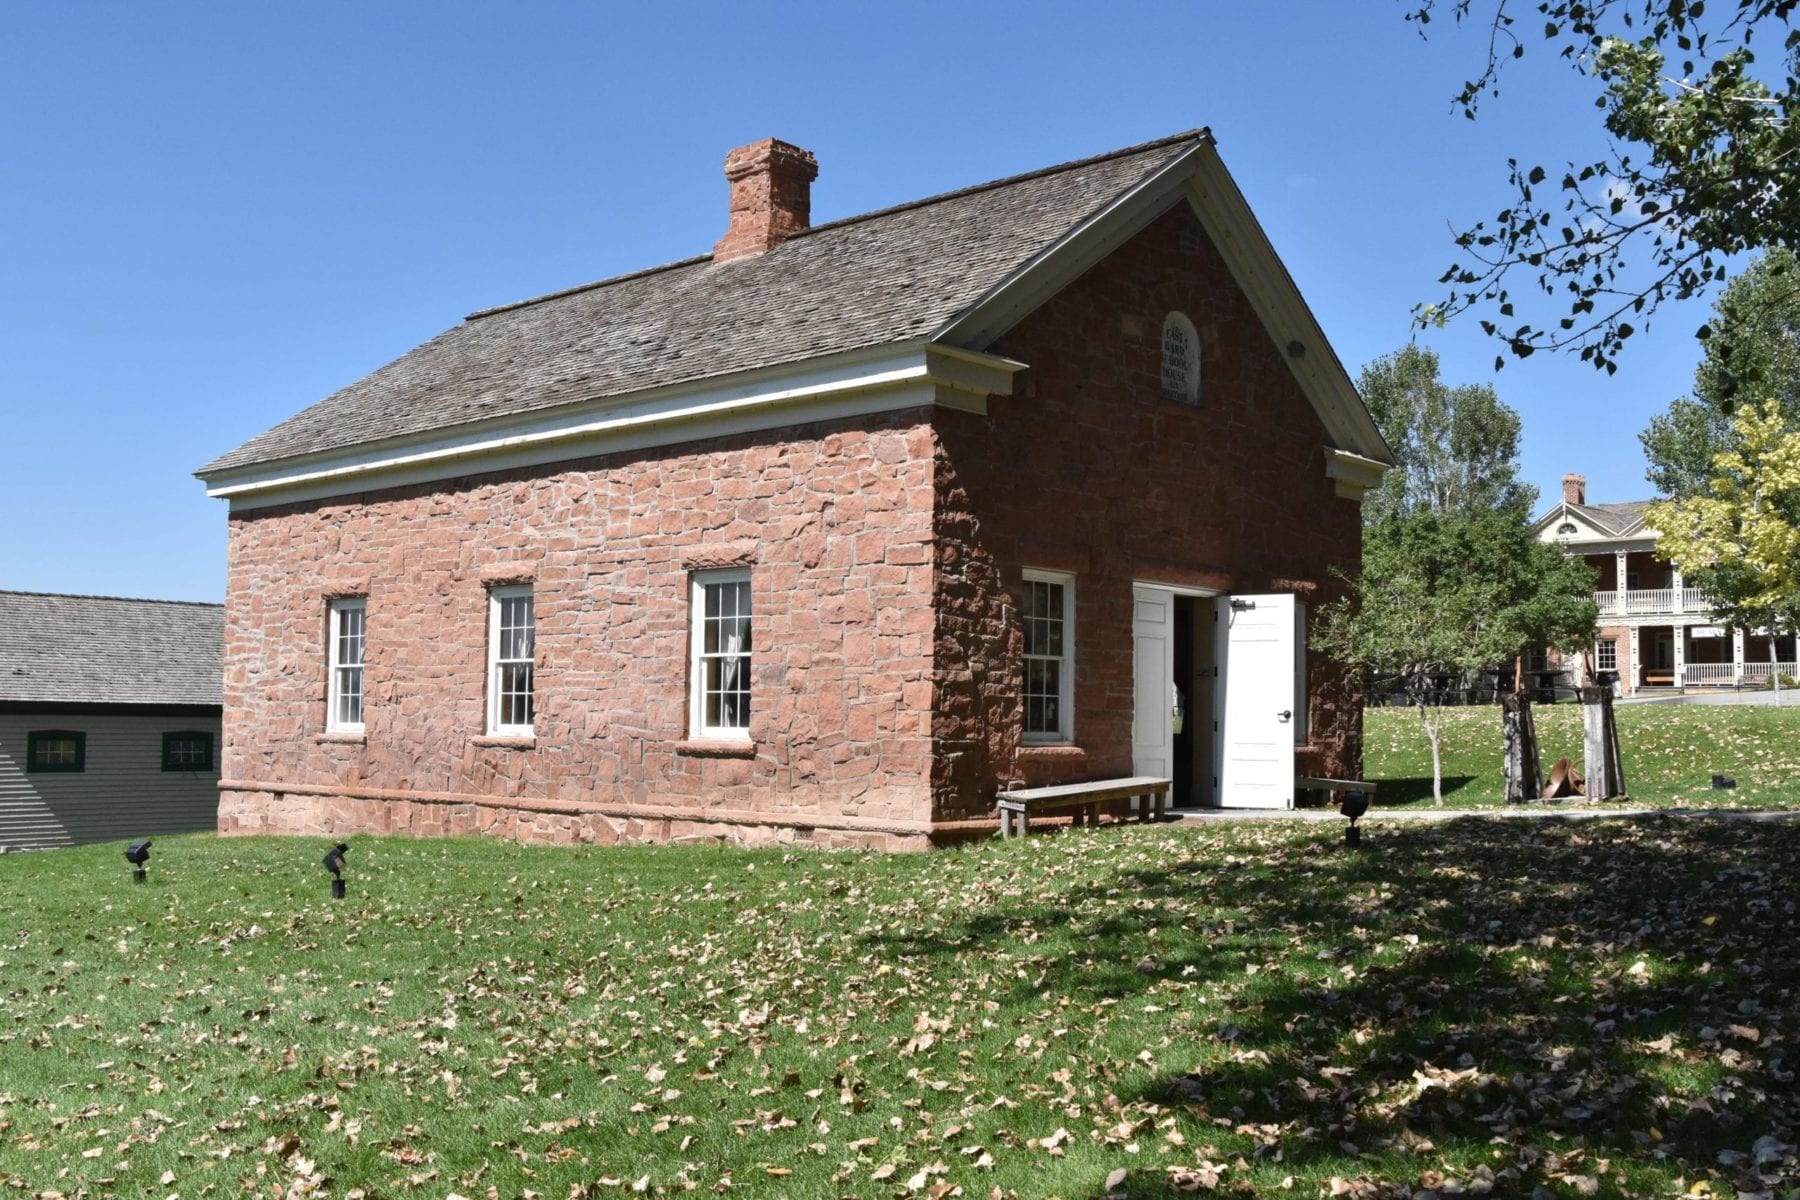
[1594, 1008]
[1671, 753]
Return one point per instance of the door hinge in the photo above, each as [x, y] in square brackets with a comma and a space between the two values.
[1215, 727]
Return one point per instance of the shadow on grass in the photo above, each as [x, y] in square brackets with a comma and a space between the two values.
[1454, 987]
[1405, 793]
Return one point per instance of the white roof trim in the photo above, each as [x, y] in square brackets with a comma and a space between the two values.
[1200, 175]
[856, 384]
[1589, 533]
[1020, 294]
[1354, 473]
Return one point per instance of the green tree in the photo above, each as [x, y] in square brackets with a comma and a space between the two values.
[1456, 448]
[1445, 593]
[1700, 166]
[1741, 537]
[1752, 347]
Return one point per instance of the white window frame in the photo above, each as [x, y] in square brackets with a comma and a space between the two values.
[496, 664]
[1613, 644]
[336, 669]
[1065, 699]
[698, 655]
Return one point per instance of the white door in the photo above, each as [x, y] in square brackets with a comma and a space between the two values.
[1152, 682]
[1254, 748]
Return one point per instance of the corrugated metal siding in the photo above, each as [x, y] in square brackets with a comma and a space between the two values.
[123, 793]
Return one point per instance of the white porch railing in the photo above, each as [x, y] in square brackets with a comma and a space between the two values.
[1652, 600]
[1750, 674]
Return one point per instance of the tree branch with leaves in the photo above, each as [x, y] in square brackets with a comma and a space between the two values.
[1703, 163]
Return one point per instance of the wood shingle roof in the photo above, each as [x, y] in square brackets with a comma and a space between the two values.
[1618, 519]
[889, 277]
[58, 649]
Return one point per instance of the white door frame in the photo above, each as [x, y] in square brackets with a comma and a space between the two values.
[1161, 714]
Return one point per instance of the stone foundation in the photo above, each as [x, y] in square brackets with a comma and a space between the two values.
[332, 814]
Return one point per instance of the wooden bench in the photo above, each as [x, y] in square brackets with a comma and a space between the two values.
[1016, 806]
[1659, 678]
[1314, 783]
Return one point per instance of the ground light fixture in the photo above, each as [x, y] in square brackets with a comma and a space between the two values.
[1355, 804]
[137, 854]
[334, 862]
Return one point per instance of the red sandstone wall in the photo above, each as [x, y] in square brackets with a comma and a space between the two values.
[836, 524]
[875, 714]
[1089, 470]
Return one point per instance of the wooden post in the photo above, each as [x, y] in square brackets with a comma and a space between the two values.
[1523, 771]
[1600, 745]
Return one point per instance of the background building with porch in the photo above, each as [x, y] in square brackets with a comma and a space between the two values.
[1656, 630]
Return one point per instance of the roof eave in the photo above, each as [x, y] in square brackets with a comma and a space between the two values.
[1199, 175]
[868, 380]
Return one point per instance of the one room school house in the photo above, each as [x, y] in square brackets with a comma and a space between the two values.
[826, 535]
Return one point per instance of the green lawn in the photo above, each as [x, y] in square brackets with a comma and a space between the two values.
[1671, 753]
[1141, 1011]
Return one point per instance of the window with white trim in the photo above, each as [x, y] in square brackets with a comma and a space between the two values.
[720, 671]
[1180, 360]
[512, 659]
[1049, 618]
[1606, 654]
[344, 677]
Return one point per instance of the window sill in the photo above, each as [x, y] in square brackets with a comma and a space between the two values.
[716, 748]
[1050, 750]
[506, 741]
[342, 737]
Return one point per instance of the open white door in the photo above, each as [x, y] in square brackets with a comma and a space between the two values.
[1152, 683]
[1254, 747]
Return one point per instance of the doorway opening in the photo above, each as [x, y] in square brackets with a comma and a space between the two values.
[1188, 693]
[1173, 716]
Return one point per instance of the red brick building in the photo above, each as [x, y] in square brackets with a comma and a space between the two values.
[825, 536]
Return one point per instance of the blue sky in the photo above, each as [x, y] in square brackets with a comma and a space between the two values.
[217, 214]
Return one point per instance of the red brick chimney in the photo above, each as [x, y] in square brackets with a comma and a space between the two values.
[771, 197]
[1574, 489]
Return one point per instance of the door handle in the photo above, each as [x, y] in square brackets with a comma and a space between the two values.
[1286, 714]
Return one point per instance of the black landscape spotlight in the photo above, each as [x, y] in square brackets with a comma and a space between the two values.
[334, 862]
[1355, 805]
[137, 854]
